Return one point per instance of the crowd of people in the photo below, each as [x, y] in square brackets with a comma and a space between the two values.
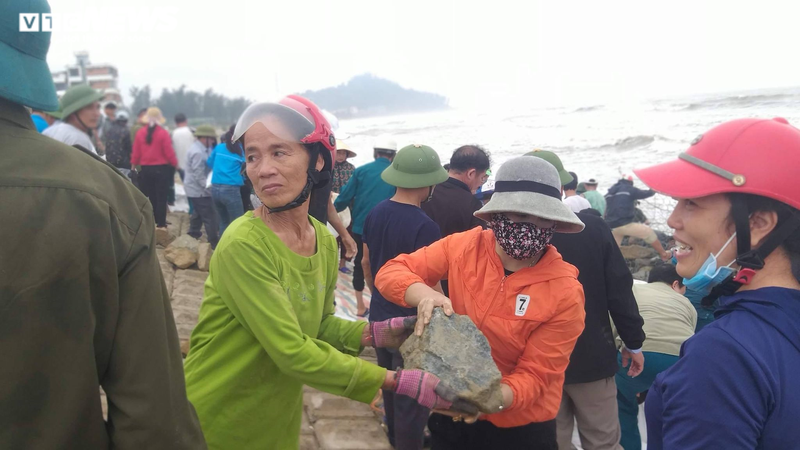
[533, 260]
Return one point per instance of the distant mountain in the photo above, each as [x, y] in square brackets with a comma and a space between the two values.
[368, 95]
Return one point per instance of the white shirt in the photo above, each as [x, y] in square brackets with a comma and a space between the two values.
[66, 133]
[577, 203]
[182, 140]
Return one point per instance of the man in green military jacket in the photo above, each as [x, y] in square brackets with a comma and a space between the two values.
[82, 300]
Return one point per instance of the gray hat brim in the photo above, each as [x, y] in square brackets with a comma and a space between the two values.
[533, 204]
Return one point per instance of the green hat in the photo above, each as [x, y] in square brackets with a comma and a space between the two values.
[26, 77]
[78, 97]
[205, 131]
[415, 166]
[581, 188]
[553, 159]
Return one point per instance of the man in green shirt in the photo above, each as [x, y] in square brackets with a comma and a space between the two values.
[83, 304]
[595, 198]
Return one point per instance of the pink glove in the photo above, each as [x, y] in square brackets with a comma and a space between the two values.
[429, 391]
[423, 387]
[389, 333]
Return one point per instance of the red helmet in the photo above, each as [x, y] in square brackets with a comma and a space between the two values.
[301, 115]
[748, 156]
[752, 156]
[302, 122]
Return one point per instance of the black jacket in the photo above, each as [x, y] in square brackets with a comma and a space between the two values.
[452, 206]
[621, 202]
[607, 285]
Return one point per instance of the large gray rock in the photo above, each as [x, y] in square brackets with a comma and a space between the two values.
[182, 252]
[453, 349]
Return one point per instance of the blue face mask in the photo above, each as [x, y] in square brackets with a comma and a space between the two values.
[709, 274]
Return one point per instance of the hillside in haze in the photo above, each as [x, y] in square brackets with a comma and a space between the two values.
[368, 95]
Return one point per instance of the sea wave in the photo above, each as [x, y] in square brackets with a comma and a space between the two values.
[589, 108]
[742, 101]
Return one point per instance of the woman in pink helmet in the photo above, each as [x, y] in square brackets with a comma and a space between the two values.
[737, 227]
[266, 324]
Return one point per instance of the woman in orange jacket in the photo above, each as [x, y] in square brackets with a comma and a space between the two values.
[525, 299]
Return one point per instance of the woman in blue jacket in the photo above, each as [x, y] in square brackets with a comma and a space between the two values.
[737, 227]
[226, 161]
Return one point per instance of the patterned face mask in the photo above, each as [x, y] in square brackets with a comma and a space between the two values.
[520, 240]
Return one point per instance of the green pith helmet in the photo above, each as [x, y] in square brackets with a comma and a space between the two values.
[553, 159]
[415, 166]
[78, 97]
[205, 131]
[581, 188]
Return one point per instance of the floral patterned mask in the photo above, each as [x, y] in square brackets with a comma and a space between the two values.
[520, 240]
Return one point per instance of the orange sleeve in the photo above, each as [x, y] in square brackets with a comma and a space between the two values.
[541, 367]
[427, 265]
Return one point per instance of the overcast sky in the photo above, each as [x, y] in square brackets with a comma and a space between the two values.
[477, 54]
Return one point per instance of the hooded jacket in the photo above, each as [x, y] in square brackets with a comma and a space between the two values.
[531, 318]
[735, 385]
[621, 202]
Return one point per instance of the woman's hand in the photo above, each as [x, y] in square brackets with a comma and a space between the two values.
[388, 333]
[428, 390]
[425, 309]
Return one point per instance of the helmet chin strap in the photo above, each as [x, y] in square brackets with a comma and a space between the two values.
[749, 260]
[315, 179]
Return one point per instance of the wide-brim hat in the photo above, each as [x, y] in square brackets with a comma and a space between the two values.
[565, 177]
[205, 131]
[526, 185]
[415, 166]
[154, 114]
[591, 182]
[26, 76]
[77, 98]
[341, 145]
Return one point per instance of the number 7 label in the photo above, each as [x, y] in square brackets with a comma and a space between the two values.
[522, 304]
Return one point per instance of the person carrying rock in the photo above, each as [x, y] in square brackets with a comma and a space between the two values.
[396, 226]
[83, 303]
[621, 215]
[517, 290]
[196, 174]
[267, 324]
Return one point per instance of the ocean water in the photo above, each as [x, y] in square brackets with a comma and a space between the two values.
[595, 141]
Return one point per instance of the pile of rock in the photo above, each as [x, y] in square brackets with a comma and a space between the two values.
[182, 250]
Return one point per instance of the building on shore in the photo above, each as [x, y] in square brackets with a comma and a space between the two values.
[103, 77]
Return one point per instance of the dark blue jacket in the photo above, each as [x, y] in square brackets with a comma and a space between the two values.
[736, 384]
[621, 202]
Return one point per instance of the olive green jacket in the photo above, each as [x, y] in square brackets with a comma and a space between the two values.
[82, 305]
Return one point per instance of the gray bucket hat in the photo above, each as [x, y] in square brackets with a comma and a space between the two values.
[525, 185]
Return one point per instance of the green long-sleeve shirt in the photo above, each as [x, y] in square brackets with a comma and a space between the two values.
[267, 328]
[83, 304]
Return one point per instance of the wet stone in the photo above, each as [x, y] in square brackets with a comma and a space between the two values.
[453, 349]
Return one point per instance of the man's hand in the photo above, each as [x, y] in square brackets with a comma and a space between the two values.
[350, 247]
[636, 361]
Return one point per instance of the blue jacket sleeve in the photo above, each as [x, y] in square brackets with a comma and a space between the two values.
[715, 396]
[348, 193]
[640, 194]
